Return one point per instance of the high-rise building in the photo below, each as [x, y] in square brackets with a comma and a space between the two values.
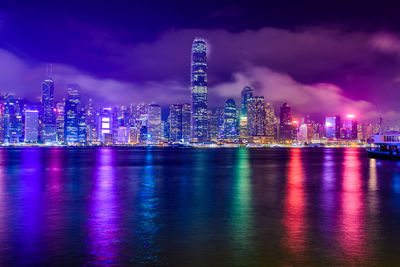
[60, 117]
[31, 126]
[199, 90]
[133, 135]
[270, 120]
[71, 120]
[91, 123]
[105, 126]
[332, 127]
[154, 123]
[186, 122]
[13, 121]
[246, 94]
[213, 126]
[82, 133]
[49, 128]
[256, 116]
[286, 129]
[349, 129]
[175, 123]
[230, 130]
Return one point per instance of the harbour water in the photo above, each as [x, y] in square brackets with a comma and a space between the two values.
[198, 207]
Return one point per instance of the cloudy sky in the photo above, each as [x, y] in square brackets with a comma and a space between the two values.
[335, 58]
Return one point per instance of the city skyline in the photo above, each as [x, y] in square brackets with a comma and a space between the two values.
[354, 65]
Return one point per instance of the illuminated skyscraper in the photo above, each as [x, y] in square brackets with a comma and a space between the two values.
[186, 122]
[199, 90]
[230, 130]
[332, 127]
[246, 94]
[175, 123]
[91, 123]
[49, 129]
[349, 129]
[60, 117]
[105, 126]
[31, 126]
[13, 123]
[71, 120]
[270, 120]
[256, 116]
[286, 129]
[154, 123]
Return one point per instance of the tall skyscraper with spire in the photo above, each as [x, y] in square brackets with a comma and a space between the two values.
[49, 129]
[199, 90]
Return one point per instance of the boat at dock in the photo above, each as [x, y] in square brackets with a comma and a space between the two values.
[385, 146]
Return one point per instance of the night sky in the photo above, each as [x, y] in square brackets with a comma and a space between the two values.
[322, 58]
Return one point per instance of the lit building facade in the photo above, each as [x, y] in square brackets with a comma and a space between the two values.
[31, 126]
[49, 128]
[105, 126]
[154, 123]
[230, 129]
[175, 123]
[256, 116]
[199, 90]
[332, 127]
[71, 117]
[349, 129]
[286, 130]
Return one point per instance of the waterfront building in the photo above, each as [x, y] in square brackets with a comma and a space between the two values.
[31, 126]
[213, 126]
[154, 123]
[91, 123]
[287, 132]
[123, 135]
[349, 129]
[332, 127]
[105, 126]
[141, 115]
[270, 121]
[13, 122]
[60, 118]
[71, 118]
[186, 122]
[256, 116]
[230, 130]
[133, 135]
[49, 128]
[199, 90]
[82, 133]
[175, 123]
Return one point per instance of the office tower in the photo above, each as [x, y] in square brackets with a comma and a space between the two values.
[91, 123]
[246, 94]
[332, 127]
[230, 130]
[270, 120]
[143, 136]
[349, 130]
[141, 115]
[49, 128]
[13, 119]
[60, 117]
[199, 90]
[305, 133]
[82, 134]
[286, 131]
[175, 123]
[2, 134]
[186, 122]
[154, 123]
[31, 126]
[243, 132]
[122, 135]
[105, 126]
[133, 135]
[213, 126]
[71, 120]
[256, 116]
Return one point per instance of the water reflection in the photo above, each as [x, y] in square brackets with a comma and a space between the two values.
[104, 216]
[242, 209]
[147, 227]
[352, 234]
[294, 205]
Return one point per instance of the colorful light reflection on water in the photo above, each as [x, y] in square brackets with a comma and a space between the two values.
[202, 207]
